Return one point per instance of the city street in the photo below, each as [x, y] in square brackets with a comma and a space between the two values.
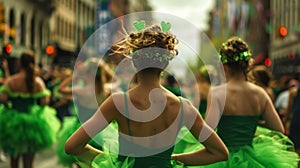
[152, 83]
[43, 159]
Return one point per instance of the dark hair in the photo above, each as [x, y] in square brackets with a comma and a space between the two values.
[158, 48]
[231, 51]
[260, 75]
[171, 80]
[27, 63]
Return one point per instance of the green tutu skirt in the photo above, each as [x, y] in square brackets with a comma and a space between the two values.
[28, 132]
[108, 137]
[109, 160]
[185, 143]
[270, 149]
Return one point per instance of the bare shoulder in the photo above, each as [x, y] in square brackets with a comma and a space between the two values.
[255, 89]
[40, 83]
[293, 91]
[218, 91]
[11, 80]
[188, 106]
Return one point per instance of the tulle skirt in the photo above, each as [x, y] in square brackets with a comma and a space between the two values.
[27, 132]
[108, 137]
[270, 149]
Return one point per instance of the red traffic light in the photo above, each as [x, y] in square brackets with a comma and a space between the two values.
[50, 50]
[8, 48]
[268, 62]
[283, 31]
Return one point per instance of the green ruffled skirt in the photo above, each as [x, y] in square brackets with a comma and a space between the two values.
[271, 149]
[185, 143]
[108, 138]
[27, 132]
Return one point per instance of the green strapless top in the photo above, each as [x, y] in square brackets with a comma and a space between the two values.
[23, 101]
[237, 131]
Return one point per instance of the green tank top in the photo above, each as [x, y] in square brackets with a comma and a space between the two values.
[162, 159]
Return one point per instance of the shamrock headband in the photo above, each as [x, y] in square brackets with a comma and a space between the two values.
[139, 26]
[239, 57]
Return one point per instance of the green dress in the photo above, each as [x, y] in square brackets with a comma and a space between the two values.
[254, 147]
[156, 160]
[25, 126]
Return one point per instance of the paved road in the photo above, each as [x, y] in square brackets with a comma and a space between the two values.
[43, 159]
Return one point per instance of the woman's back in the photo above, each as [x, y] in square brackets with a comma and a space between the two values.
[145, 119]
[244, 98]
[17, 84]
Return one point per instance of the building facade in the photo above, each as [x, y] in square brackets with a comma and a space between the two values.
[25, 25]
[63, 24]
[285, 38]
[248, 19]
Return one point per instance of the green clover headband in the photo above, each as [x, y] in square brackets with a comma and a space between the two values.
[242, 56]
[165, 26]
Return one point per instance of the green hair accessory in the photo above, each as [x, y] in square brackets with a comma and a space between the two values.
[242, 56]
[139, 25]
[165, 26]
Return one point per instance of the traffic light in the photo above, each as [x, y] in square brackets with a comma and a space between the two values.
[50, 50]
[283, 31]
[7, 49]
[268, 62]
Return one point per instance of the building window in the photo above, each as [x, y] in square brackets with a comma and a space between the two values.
[32, 32]
[23, 29]
[12, 27]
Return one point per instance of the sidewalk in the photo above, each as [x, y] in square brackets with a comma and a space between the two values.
[43, 159]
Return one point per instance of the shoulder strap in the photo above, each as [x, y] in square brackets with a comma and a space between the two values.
[181, 112]
[127, 113]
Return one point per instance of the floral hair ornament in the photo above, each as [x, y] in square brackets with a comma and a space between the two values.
[242, 56]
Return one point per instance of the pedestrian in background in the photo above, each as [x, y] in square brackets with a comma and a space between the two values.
[27, 123]
[261, 76]
[292, 116]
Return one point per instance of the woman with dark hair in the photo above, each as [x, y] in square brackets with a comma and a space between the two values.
[262, 77]
[237, 107]
[27, 124]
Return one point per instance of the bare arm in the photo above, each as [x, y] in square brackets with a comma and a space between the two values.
[288, 111]
[44, 100]
[64, 86]
[270, 115]
[77, 143]
[214, 150]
